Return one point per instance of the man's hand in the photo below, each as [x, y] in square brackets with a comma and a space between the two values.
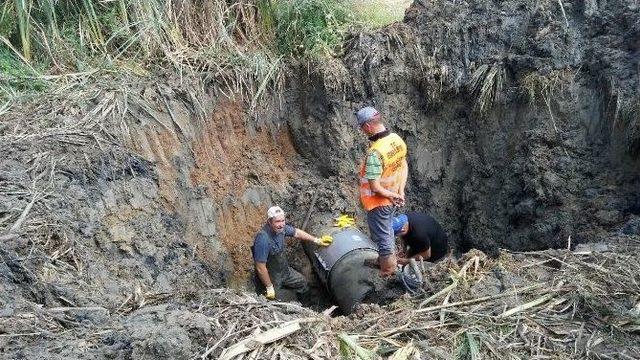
[271, 293]
[397, 199]
[325, 240]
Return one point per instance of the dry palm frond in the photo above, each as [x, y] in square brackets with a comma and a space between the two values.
[545, 86]
[486, 85]
[435, 74]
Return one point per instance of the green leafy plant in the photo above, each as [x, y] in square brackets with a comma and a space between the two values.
[310, 27]
[15, 76]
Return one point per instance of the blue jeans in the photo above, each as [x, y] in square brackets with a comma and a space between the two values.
[380, 220]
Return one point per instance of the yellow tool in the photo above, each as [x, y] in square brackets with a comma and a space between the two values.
[344, 221]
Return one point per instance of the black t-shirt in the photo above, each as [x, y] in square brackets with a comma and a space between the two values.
[424, 232]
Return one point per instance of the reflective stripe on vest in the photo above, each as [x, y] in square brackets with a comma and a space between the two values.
[392, 151]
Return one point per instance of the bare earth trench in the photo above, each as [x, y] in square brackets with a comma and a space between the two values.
[122, 224]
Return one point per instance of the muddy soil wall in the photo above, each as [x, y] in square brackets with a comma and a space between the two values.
[520, 116]
[109, 210]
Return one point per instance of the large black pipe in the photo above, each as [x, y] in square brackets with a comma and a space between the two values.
[341, 266]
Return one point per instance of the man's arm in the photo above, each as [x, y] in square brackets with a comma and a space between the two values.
[263, 274]
[373, 172]
[260, 251]
[377, 188]
[402, 253]
[425, 255]
[303, 235]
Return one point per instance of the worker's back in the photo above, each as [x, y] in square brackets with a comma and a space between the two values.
[424, 228]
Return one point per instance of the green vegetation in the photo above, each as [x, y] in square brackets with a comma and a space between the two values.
[310, 27]
[237, 43]
[16, 76]
[71, 35]
[378, 13]
[50, 40]
[468, 348]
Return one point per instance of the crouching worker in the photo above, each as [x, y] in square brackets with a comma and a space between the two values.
[421, 236]
[272, 269]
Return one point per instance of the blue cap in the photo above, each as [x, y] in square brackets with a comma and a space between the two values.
[398, 223]
[366, 114]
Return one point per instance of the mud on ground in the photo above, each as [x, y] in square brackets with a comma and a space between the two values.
[557, 303]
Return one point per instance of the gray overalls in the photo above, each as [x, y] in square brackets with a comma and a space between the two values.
[282, 275]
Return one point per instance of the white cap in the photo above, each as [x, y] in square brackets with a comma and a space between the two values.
[274, 211]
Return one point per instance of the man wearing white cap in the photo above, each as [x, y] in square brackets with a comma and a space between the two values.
[383, 177]
[272, 267]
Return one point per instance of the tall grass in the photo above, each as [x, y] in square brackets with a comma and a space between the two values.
[152, 30]
[99, 27]
[239, 44]
[6, 18]
[23, 10]
[225, 40]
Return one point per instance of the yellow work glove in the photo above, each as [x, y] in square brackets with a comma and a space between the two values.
[271, 293]
[344, 221]
[325, 240]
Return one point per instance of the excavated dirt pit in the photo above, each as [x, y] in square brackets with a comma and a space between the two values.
[118, 225]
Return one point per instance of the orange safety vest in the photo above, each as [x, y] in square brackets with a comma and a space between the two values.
[393, 152]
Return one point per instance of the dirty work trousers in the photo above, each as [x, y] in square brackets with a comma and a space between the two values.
[289, 279]
[294, 281]
[379, 220]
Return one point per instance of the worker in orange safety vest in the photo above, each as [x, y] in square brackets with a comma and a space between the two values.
[383, 177]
